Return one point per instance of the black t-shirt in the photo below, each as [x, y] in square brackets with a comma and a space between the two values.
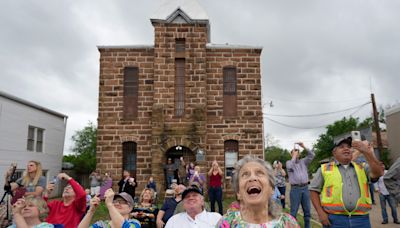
[169, 208]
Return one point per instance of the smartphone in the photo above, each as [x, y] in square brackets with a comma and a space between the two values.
[355, 135]
[55, 179]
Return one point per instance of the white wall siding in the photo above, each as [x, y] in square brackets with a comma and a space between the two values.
[15, 119]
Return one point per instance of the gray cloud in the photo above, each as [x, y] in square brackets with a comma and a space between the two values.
[313, 51]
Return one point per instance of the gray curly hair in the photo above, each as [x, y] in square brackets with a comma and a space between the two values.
[273, 209]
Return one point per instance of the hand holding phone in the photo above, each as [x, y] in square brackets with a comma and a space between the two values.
[355, 135]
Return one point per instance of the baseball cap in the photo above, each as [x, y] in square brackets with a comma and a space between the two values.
[340, 141]
[126, 197]
[192, 188]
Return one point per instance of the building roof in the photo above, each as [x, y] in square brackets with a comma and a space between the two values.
[233, 46]
[30, 104]
[137, 46]
[393, 110]
[191, 8]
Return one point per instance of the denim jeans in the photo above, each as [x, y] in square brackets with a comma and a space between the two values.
[345, 221]
[300, 195]
[393, 206]
[215, 194]
[169, 180]
[282, 190]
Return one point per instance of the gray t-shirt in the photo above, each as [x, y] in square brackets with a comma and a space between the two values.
[32, 188]
[351, 190]
[95, 180]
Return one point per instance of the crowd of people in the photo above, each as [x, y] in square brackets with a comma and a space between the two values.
[339, 192]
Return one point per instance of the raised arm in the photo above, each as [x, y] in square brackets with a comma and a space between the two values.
[94, 203]
[116, 218]
[368, 152]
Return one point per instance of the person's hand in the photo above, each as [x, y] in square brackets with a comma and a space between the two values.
[160, 223]
[323, 217]
[279, 165]
[131, 180]
[18, 206]
[109, 196]
[300, 144]
[282, 196]
[94, 203]
[63, 176]
[362, 146]
[50, 187]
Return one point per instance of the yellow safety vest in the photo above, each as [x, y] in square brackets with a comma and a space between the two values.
[332, 201]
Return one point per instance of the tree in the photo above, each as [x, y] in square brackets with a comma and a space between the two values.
[84, 157]
[274, 153]
[323, 147]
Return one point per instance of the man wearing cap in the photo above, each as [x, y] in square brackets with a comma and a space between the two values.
[343, 186]
[168, 208]
[119, 207]
[298, 179]
[194, 216]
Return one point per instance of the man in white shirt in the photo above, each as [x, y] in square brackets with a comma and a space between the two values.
[384, 197]
[194, 216]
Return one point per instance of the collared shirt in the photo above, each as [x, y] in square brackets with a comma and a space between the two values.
[351, 189]
[381, 186]
[203, 220]
[297, 168]
[392, 180]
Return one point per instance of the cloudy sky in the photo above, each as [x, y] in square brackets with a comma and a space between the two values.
[318, 56]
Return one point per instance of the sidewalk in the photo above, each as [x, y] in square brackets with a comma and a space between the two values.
[375, 214]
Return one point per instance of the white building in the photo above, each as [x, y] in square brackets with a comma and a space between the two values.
[393, 131]
[30, 132]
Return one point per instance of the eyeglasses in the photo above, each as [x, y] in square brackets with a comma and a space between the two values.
[120, 201]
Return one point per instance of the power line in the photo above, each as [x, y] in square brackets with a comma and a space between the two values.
[320, 114]
[292, 126]
[327, 101]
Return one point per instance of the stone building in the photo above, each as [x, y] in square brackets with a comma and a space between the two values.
[181, 96]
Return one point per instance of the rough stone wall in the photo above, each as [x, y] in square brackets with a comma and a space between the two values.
[246, 127]
[113, 129]
[157, 129]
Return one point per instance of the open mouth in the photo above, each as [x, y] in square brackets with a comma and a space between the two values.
[253, 190]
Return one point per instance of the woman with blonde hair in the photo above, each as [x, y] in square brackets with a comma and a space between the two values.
[31, 183]
[30, 211]
[146, 211]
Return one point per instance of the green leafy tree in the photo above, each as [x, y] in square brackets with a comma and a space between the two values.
[84, 157]
[274, 153]
[323, 147]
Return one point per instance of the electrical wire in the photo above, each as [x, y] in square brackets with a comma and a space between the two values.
[319, 114]
[297, 127]
[337, 101]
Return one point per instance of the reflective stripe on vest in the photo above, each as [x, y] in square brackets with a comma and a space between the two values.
[332, 190]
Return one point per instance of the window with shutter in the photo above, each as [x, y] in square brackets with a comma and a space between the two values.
[230, 91]
[131, 92]
[179, 87]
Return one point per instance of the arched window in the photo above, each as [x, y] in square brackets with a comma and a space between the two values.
[129, 155]
[131, 92]
[231, 148]
[230, 91]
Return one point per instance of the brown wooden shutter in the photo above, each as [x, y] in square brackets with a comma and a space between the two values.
[179, 87]
[131, 92]
[230, 91]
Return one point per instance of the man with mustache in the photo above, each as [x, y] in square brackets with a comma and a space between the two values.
[343, 186]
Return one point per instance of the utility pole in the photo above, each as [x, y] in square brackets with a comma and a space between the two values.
[377, 129]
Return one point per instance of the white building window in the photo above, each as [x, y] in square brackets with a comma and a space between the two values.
[35, 139]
